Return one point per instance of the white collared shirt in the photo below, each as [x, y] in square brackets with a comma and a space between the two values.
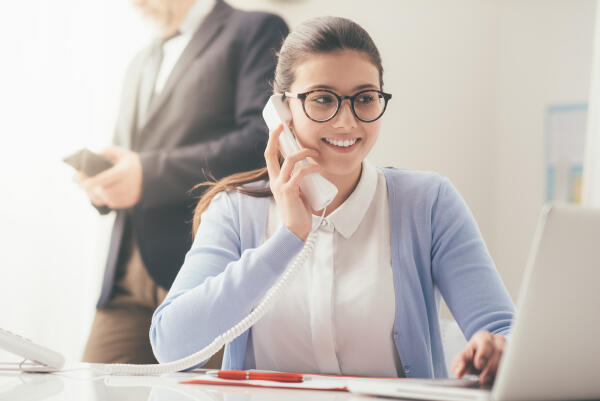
[337, 315]
[173, 48]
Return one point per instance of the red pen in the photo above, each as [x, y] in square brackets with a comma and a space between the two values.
[252, 375]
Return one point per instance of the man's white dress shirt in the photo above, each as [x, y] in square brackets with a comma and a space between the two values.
[155, 77]
[173, 48]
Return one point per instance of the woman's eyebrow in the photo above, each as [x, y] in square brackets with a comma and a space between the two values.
[320, 86]
[365, 86]
[356, 88]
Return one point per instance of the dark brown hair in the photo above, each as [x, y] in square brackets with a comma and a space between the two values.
[316, 35]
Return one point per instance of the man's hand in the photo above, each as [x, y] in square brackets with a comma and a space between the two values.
[480, 356]
[120, 186]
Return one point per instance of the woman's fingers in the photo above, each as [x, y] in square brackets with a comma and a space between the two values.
[484, 349]
[285, 181]
[272, 153]
[482, 355]
[488, 373]
[462, 361]
[281, 174]
[290, 162]
[473, 356]
[302, 172]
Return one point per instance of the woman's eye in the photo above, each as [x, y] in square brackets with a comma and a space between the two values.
[366, 99]
[322, 99]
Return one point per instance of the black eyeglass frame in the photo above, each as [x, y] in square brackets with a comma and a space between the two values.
[340, 99]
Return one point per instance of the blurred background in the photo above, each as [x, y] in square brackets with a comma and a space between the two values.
[492, 94]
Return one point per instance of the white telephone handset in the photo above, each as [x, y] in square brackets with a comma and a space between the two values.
[317, 189]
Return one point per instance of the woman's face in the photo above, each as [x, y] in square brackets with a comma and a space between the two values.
[344, 72]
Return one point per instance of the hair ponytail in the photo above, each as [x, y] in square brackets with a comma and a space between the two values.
[234, 182]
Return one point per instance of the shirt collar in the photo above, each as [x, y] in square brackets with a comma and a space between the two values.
[195, 16]
[348, 216]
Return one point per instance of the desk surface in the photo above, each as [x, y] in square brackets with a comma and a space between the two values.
[86, 382]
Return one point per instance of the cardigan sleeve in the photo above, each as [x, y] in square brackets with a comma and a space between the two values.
[218, 284]
[463, 269]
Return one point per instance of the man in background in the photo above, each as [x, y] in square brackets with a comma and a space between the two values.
[190, 108]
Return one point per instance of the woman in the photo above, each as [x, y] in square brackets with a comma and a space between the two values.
[366, 301]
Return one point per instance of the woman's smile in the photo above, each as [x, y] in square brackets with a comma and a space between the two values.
[342, 145]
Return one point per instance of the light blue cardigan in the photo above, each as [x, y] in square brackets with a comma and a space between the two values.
[436, 248]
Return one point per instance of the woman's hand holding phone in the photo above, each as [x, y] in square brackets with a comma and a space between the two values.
[284, 180]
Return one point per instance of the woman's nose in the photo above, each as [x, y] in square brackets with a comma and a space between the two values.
[345, 117]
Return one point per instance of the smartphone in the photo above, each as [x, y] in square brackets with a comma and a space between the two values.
[88, 162]
[317, 189]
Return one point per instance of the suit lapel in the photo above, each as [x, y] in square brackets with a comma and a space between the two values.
[129, 101]
[211, 26]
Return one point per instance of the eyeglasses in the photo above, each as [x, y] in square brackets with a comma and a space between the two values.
[321, 105]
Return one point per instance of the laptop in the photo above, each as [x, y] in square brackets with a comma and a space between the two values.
[554, 350]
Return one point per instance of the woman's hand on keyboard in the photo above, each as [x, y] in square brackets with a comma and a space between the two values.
[481, 356]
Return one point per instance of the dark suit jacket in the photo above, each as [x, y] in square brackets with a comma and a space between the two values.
[206, 119]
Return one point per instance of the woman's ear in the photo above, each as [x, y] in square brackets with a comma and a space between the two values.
[292, 130]
[290, 121]
[290, 124]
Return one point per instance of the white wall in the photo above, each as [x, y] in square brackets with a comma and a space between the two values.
[591, 163]
[470, 79]
[471, 82]
[60, 76]
[544, 58]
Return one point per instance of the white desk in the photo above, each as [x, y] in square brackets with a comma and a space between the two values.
[81, 382]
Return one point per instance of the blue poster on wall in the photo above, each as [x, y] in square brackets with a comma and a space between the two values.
[565, 147]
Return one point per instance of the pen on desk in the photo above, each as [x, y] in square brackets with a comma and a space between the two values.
[251, 375]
